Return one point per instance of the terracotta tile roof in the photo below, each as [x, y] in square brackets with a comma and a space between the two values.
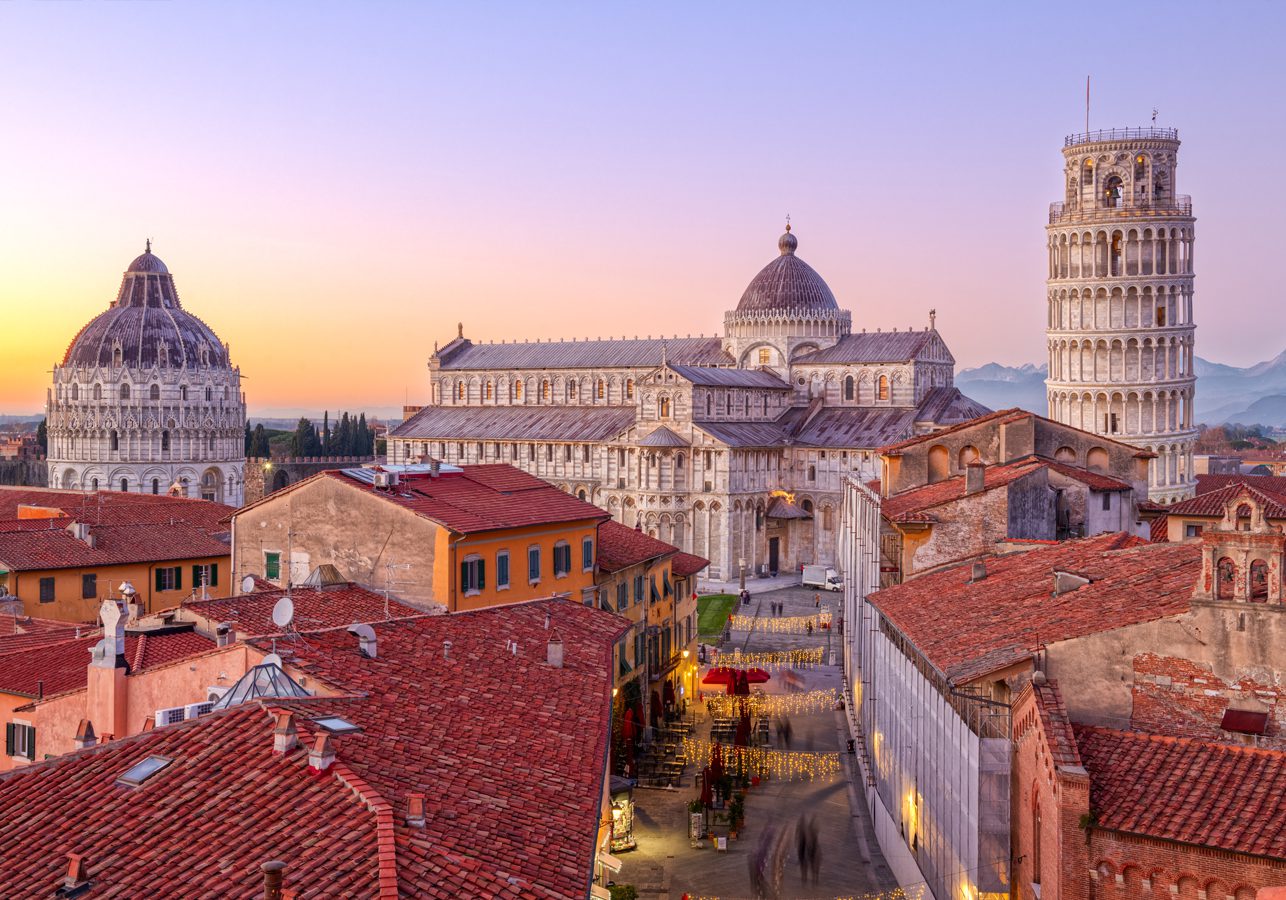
[906, 505]
[1274, 484]
[481, 498]
[1096, 481]
[620, 547]
[1181, 789]
[1003, 618]
[1212, 502]
[224, 788]
[685, 565]
[63, 666]
[115, 507]
[57, 548]
[1159, 529]
[24, 632]
[329, 607]
[1057, 727]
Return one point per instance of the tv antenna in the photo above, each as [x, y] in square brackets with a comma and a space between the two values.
[389, 582]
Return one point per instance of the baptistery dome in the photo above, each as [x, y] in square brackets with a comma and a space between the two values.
[146, 398]
[787, 284]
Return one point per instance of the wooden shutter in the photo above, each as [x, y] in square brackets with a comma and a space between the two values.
[464, 577]
[8, 738]
[214, 574]
[159, 583]
[178, 578]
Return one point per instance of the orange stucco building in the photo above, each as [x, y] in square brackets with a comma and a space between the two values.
[443, 538]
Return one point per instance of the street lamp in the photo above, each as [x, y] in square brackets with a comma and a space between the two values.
[742, 564]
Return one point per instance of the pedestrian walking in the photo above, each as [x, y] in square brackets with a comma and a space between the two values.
[810, 626]
[817, 601]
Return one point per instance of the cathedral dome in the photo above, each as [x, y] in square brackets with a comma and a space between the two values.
[146, 326]
[787, 285]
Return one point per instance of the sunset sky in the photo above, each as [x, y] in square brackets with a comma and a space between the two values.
[336, 185]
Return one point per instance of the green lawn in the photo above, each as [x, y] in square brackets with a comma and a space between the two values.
[712, 613]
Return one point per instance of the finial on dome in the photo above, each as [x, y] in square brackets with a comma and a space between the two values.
[933, 318]
[787, 242]
[148, 248]
[459, 329]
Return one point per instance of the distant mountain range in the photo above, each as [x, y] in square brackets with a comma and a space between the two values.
[1255, 395]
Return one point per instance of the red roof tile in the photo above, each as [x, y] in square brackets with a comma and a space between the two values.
[57, 548]
[481, 498]
[329, 607]
[509, 753]
[1181, 789]
[63, 666]
[1275, 484]
[1055, 724]
[1003, 618]
[114, 507]
[620, 547]
[25, 632]
[685, 565]
[1159, 529]
[1213, 502]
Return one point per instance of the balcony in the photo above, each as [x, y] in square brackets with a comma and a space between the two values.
[1147, 207]
[1121, 134]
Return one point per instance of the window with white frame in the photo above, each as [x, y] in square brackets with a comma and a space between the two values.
[502, 570]
[473, 575]
[562, 559]
[533, 564]
[20, 740]
[587, 553]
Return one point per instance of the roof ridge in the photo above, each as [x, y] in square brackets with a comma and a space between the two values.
[386, 842]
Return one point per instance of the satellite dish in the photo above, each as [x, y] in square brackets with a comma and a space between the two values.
[283, 611]
[271, 659]
[248, 584]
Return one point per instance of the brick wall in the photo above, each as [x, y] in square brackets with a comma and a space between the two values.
[1125, 866]
[1186, 698]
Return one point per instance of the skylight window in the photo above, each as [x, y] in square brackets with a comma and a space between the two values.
[140, 772]
[336, 725]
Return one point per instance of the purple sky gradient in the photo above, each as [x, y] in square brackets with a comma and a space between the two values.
[336, 185]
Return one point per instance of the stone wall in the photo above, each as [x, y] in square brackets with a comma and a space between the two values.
[24, 472]
[263, 476]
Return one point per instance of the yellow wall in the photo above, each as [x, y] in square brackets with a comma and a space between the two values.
[68, 605]
[453, 549]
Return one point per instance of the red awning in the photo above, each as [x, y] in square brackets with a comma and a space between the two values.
[1244, 721]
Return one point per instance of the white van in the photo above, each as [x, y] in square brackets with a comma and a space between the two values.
[822, 577]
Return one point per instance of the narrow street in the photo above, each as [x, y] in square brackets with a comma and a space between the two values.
[665, 866]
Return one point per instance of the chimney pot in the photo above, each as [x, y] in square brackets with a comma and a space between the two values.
[274, 873]
[284, 737]
[554, 652]
[415, 811]
[85, 735]
[77, 871]
[322, 754]
[979, 571]
[975, 477]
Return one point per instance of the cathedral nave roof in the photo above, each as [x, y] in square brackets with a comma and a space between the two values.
[710, 376]
[638, 353]
[517, 423]
[877, 347]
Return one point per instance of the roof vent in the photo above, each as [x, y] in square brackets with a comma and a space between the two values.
[365, 639]
[80, 531]
[76, 881]
[85, 735]
[322, 754]
[979, 571]
[415, 811]
[1066, 582]
[446, 649]
[274, 873]
[554, 652]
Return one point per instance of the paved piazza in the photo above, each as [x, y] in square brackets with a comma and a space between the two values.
[665, 866]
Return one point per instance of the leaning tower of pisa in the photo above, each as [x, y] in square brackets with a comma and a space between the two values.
[1120, 328]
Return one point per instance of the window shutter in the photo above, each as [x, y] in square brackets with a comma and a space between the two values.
[178, 578]
[214, 574]
[8, 738]
[31, 742]
[159, 582]
[482, 574]
[464, 576]
[196, 576]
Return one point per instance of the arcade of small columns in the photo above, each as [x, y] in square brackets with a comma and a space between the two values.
[1111, 252]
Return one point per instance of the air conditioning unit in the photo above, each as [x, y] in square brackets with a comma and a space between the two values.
[385, 479]
[199, 709]
[170, 716]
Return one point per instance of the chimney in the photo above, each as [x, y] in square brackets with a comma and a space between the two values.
[273, 874]
[435, 468]
[85, 735]
[554, 652]
[107, 687]
[979, 571]
[975, 477]
[284, 736]
[223, 634]
[446, 649]
[415, 811]
[322, 754]
[77, 878]
[365, 639]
